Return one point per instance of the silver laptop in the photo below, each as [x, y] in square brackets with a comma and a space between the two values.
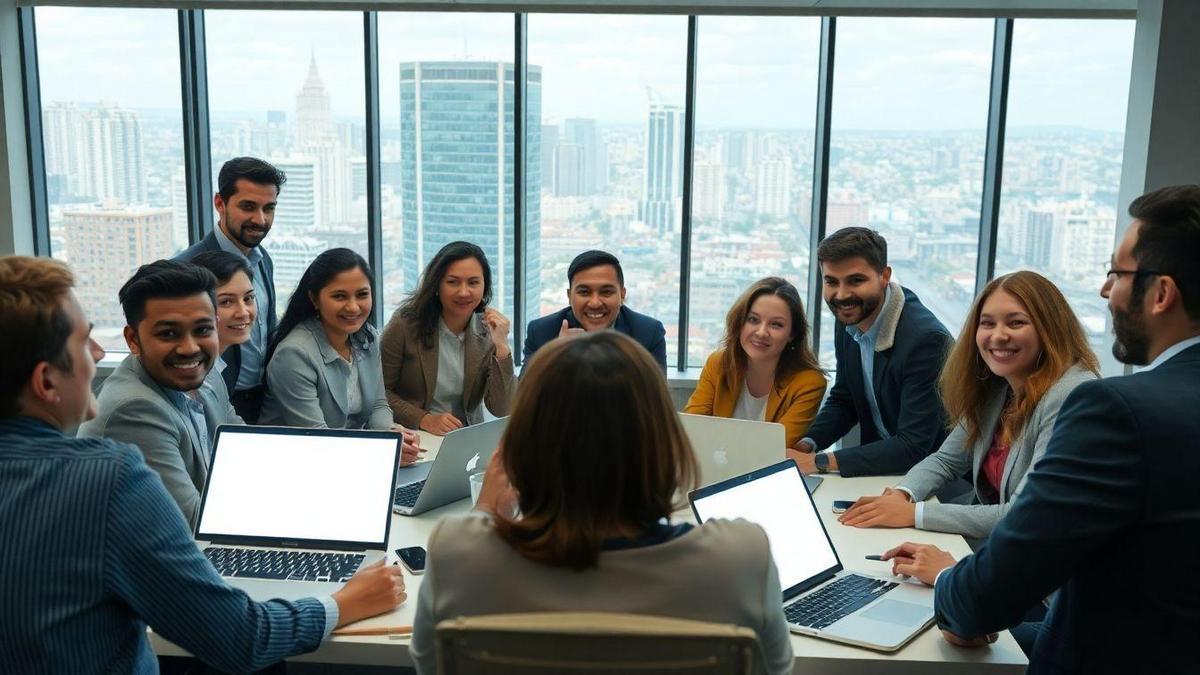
[289, 513]
[820, 598]
[727, 447]
[428, 485]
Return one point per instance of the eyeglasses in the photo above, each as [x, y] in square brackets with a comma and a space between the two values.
[1112, 274]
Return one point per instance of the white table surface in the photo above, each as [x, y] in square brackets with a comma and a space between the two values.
[927, 653]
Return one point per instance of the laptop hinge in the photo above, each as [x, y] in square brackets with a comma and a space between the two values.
[810, 584]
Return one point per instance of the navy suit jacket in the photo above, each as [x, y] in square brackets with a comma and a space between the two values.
[905, 378]
[1111, 517]
[648, 331]
[209, 243]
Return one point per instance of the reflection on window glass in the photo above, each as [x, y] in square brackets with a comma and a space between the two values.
[752, 174]
[114, 148]
[1062, 159]
[446, 100]
[300, 107]
[906, 154]
[610, 154]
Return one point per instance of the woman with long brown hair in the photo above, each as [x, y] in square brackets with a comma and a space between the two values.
[592, 459]
[1020, 353]
[765, 370]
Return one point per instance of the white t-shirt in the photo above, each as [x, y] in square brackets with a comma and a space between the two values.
[750, 408]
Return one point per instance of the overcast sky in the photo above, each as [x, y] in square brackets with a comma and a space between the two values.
[896, 74]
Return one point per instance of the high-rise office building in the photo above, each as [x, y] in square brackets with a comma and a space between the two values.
[299, 198]
[456, 130]
[708, 200]
[594, 156]
[292, 254]
[773, 187]
[549, 147]
[105, 245]
[570, 170]
[662, 164]
[98, 150]
[317, 139]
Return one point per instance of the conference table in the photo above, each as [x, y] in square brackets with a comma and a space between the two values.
[927, 653]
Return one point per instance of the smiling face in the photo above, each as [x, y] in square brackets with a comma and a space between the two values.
[1006, 338]
[236, 310]
[596, 296]
[767, 330]
[461, 289]
[248, 214]
[853, 289]
[344, 304]
[176, 341]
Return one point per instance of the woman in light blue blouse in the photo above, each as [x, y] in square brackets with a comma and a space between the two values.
[323, 366]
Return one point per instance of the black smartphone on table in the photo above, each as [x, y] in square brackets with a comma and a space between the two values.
[413, 558]
[841, 505]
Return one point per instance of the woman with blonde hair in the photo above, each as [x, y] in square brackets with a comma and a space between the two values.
[765, 370]
[593, 456]
[1020, 353]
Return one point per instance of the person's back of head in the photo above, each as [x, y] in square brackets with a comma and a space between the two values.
[1168, 242]
[34, 293]
[593, 445]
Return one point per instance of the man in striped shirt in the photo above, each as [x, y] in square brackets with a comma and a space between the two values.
[93, 547]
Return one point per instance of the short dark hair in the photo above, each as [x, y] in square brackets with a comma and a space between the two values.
[36, 325]
[1168, 241]
[223, 265]
[252, 169]
[854, 242]
[589, 259]
[164, 279]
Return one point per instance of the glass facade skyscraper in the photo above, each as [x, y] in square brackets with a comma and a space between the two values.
[456, 164]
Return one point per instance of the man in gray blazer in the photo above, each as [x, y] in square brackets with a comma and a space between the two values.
[164, 397]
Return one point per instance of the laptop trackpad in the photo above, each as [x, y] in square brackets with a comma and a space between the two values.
[895, 612]
[413, 473]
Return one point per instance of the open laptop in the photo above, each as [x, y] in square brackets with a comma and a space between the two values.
[428, 485]
[289, 513]
[820, 597]
[727, 447]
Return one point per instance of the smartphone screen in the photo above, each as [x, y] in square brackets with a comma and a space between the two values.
[840, 505]
[413, 558]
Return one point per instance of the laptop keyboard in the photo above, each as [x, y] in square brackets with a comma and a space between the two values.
[257, 563]
[406, 495]
[836, 601]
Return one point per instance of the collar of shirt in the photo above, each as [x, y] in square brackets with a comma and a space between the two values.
[182, 402]
[226, 244]
[1172, 351]
[219, 366]
[446, 332]
[872, 332]
[25, 426]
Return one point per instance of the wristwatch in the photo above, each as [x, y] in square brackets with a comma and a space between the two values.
[821, 460]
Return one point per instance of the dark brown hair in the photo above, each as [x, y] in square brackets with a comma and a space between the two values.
[796, 356]
[854, 242]
[593, 444]
[36, 324]
[1168, 241]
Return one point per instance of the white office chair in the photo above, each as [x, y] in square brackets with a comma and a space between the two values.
[592, 643]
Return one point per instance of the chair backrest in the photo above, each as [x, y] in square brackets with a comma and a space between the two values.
[584, 643]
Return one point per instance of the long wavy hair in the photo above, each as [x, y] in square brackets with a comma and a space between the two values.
[423, 307]
[967, 382]
[593, 443]
[320, 272]
[797, 355]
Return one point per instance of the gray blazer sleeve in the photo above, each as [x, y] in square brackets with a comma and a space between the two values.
[978, 520]
[146, 425]
[773, 635]
[292, 381]
[952, 459]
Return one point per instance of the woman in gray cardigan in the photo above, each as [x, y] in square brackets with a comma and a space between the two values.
[594, 454]
[323, 366]
[1020, 354]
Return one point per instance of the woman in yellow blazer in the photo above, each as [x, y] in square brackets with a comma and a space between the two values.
[765, 371]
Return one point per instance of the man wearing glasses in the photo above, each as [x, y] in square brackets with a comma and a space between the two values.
[1109, 516]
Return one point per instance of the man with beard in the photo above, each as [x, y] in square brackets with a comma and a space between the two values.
[162, 398]
[1108, 516]
[890, 351]
[247, 192]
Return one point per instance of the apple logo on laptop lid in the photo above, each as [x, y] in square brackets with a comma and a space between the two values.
[473, 463]
[720, 456]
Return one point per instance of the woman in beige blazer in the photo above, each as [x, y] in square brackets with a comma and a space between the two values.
[445, 351]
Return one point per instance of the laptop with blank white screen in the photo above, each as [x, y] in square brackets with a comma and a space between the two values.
[820, 597]
[726, 447]
[289, 513]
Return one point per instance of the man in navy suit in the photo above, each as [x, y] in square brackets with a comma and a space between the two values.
[247, 192]
[1109, 516]
[890, 349]
[597, 295]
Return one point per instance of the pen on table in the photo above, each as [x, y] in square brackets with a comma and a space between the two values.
[876, 557]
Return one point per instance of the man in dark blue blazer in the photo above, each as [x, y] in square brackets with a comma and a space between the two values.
[1109, 516]
[597, 295]
[884, 336]
[247, 193]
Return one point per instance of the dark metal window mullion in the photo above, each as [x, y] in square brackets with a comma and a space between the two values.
[520, 108]
[685, 231]
[35, 145]
[193, 82]
[820, 196]
[993, 159]
[374, 166]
